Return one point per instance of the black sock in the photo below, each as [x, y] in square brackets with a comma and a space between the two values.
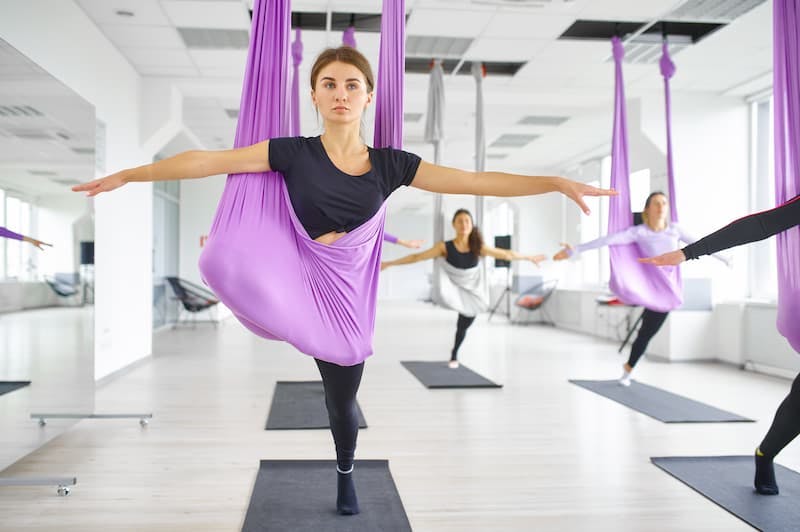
[346, 500]
[765, 482]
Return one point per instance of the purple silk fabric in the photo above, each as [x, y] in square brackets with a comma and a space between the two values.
[259, 260]
[389, 238]
[391, 67]
[294, 95]
[655, 288]
[349, 37]
[5, 233]
[786, 87]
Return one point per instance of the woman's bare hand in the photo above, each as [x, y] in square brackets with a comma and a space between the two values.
[105, 184]
[576, 191]
[564, 253]
[673, 258]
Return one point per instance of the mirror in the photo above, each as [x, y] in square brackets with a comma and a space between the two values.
[47, 144]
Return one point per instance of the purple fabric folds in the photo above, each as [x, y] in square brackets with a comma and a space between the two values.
[294, 95]
[259, 260]
[786, 87]
[391, 68]
[5, 233]
[349, 37]
[655, 288]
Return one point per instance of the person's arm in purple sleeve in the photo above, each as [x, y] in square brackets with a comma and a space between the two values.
[743, 231]
[413, 244]
[5, 233]
[626, 236]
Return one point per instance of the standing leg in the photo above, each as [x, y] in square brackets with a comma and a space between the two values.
[461, 331]
[785, 427]
[341, 385]
[651, 323]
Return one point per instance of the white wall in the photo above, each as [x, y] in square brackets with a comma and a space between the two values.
[83, 59]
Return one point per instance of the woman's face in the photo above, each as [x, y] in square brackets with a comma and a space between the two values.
[463, 224]
[340, 93]
[658, 209]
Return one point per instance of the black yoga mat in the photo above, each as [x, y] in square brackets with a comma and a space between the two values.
[301, 405]
[300, 495]
[10, 386]
[439, 375]
[659, 404]
[728, 482]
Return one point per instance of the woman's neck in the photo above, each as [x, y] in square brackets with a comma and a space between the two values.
[463, 240]
[342, 139]
[657, 227]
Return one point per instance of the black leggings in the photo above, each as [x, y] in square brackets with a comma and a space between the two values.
[461, 331]
[341, 385]
[786, 425]
[651, 323]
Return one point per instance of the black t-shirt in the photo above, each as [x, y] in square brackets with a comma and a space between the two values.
[326, 199]
[460, 260]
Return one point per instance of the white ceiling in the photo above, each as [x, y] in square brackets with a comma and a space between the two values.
[42, 124]
[563, 78]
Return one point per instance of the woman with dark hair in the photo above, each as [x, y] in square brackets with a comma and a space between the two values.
[786, 425]
[11, 235]
[462, 254]
[336, 184]
[653, 237]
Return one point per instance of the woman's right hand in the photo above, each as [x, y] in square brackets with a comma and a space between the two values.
[105, 184]
[564, 253]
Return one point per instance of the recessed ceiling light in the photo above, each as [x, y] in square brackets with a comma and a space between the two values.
[124, 13]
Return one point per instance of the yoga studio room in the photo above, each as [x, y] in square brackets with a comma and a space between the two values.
[399, 265]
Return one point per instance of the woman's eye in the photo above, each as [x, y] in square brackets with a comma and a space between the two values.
[352, 86]
[329, 85]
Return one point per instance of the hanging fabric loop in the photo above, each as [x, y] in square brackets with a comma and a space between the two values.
[259, 260]
[786, 89]
[659, 289]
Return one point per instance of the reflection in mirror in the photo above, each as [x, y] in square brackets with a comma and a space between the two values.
[46, 254]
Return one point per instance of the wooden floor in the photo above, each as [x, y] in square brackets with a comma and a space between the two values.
[538, 454]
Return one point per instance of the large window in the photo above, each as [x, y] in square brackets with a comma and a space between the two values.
[763, 278]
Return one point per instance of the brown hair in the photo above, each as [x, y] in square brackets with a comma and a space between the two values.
[647, 204]
[475, 237]
[343, 54]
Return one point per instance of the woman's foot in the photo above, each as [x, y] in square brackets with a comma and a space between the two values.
[346, 500]
[765, 482]
[453, 364]
[625, 380]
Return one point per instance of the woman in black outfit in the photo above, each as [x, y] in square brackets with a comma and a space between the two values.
[462, 255]
[786, 425]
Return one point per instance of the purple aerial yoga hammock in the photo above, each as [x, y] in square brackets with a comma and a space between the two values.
[294, 95]
[259, 260]
[658, 289]
[349, 37]
[786, 87]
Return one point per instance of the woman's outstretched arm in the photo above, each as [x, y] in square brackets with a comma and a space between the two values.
[435, 178]
[436, 251]
[743, 231]
[510, 255]
[186, 165]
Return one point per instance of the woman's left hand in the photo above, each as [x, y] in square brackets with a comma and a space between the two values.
[536, 259]
[37, 243]
[576, 191]
[673, 258]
